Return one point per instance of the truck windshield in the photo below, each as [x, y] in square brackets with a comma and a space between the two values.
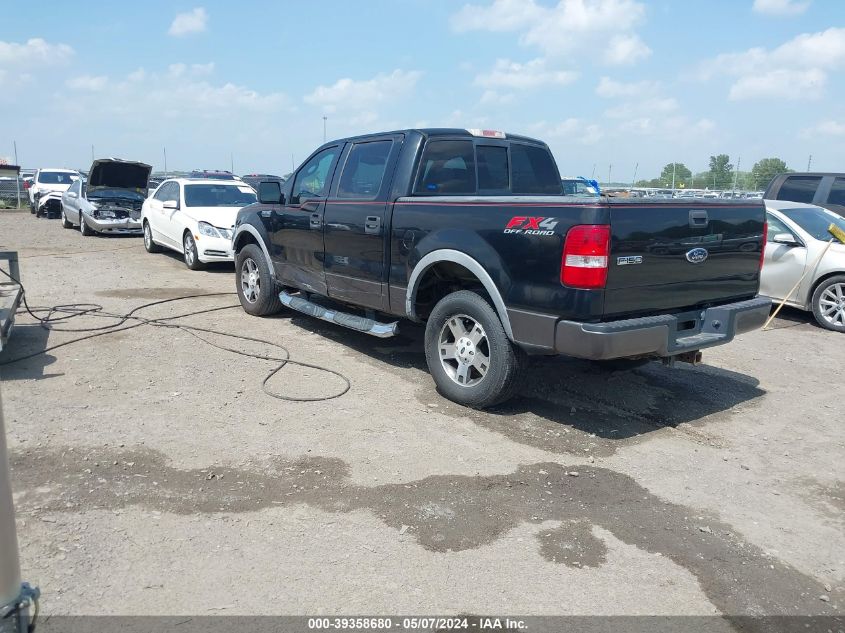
[219, 195]
[815, 220]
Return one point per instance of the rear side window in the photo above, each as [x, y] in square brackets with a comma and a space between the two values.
[492, 167]
[447, 168]
[534, 171]
[799, 188]
[364, 170]
[837, 192]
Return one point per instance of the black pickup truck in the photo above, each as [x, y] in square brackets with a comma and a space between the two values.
[469, 231]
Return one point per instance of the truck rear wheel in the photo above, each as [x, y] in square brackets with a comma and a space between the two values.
[469, 355]
[254, 283]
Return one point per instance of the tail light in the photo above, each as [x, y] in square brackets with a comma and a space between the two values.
[585, 255]
[763, 245]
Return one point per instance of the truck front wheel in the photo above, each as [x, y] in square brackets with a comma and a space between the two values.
[468, 353]
[254, 283]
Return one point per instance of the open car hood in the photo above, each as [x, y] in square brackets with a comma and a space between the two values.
[114, 173]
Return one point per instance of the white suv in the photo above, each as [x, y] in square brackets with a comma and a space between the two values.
[47, 181]
[195, 217]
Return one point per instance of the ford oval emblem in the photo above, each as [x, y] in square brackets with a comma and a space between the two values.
[697, 255]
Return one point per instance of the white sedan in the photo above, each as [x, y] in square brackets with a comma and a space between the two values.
[797, 237]
[195, 217]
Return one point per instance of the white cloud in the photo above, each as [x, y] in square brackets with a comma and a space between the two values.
[194, 21]
[582, 27]
[669, 128]
[354, 94]
[782, 83]
[533, 74]
[824, 129]
[650, 106]
[87, 83]
[34, 51]
[492, 97]
[781, 7]
[572, 130]
[802, 63]
[610, 88]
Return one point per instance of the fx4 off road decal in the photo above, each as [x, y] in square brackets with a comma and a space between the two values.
[522, 225]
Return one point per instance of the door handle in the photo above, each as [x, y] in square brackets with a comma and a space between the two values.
[372, 225]
[698, 218]
[316, 221]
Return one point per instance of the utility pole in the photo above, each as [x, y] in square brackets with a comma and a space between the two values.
[609, 171]
[593, 175]
[674, 165]
[232, 162]
[165, 161]
[324, 128]
[736, 173]
[809, 162]
[92, 153]
[292, 164]
[18, 179]
[634, 181]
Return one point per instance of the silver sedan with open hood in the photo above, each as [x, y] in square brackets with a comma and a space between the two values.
[111, 200]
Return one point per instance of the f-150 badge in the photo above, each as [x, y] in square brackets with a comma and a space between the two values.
[628, 260]
[523, 225]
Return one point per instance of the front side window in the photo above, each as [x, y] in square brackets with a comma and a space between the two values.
[76, 187]
[161, 192]
[312, 180]
[534, 171]
[492, 167]
[218, 195]
[774, 227]
[447, 168]
[364, 170]
[799, 188]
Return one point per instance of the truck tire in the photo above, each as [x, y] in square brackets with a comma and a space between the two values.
[254, 283]
[468, 353]
[829, 303]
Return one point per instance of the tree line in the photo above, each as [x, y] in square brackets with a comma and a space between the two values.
[721, 175]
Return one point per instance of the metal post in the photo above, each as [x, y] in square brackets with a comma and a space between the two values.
[634, 181]
[18, 179]
[809, 162]
[324, 128]
[674, 165]
[164, 149]
[15, 598]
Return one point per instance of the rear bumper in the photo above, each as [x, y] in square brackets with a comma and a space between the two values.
[663, 335]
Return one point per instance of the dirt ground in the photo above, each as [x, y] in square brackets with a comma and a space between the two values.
[153, 474]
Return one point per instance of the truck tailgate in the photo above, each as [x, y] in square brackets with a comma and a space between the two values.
[669, 255]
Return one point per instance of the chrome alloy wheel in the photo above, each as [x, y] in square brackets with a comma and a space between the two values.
[148, 236]
[832, 304]
[250, 280]
[190, 249]
[464, 350]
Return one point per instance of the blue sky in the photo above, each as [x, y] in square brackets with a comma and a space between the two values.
[604, 82]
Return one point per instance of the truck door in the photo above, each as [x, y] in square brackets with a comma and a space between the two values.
[297, 240]
[356, 219]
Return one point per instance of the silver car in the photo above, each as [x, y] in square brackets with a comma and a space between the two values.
[797, 235]
[110, 201]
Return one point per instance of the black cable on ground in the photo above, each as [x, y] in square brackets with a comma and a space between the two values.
[66, 312]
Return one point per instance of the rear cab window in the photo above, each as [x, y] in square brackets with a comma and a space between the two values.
[799, 188]
[467, 167]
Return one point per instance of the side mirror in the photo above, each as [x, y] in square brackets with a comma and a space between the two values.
[270, 192]
[785, 238]
[170, 204]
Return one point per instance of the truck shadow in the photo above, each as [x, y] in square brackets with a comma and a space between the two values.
[560, 395]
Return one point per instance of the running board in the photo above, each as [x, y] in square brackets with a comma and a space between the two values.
[351, 321]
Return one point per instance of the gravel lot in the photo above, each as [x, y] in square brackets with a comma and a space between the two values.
[152, 473]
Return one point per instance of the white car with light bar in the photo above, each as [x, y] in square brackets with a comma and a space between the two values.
[194, 217]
